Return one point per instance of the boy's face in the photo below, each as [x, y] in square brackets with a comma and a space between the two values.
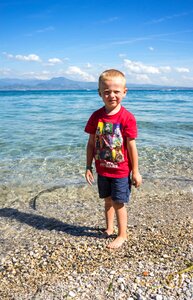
[112, 92]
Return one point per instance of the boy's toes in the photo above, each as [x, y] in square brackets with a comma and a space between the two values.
[117, 243]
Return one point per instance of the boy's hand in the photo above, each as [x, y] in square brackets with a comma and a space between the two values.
[136, 179]
[89, 177]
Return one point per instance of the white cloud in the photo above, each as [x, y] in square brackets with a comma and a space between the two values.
[38, 75]
[122, 55]
[9, 56]
[5, 72]
[135, 67]
[54, 61]
[182, 70]
[143, 78]
[30, 57]
[88, 65]
[188, 78]
[151, 48]
[142, 73]
[166, 80]
[79, 74]
[139, 68]
[165, 69]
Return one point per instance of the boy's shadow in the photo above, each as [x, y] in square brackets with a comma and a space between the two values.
[45, 223]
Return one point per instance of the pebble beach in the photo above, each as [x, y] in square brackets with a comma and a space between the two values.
[51, 246]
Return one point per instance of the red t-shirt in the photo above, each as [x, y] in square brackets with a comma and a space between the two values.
[111, 132]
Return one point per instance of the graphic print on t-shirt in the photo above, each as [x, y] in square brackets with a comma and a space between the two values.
[109, 142]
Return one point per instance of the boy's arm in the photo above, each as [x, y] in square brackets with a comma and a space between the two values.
[133, 155]
[89, 158]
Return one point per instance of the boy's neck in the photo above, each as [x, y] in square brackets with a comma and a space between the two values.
[113, 111]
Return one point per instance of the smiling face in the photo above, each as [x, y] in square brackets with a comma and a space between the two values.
[112, 92]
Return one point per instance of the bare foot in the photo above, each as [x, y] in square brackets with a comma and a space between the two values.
[118, 242]
[106, 231]
[109, 232]
[105, 234]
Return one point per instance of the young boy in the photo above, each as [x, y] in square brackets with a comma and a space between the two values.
[112, 132]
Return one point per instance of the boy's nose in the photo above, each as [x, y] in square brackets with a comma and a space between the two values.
[112, 93]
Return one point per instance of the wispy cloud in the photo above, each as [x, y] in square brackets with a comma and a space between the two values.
[134, 40]
[41, 14]
[42, 30]
[108, 20]
[166, 18]
[150, 37]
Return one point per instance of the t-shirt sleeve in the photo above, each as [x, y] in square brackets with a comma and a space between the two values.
[91, 125]
[130, 128]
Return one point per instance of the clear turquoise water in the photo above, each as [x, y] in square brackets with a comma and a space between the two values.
[42, 137]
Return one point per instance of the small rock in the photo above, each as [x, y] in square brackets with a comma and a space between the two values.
[158, 297]
[121, 280]
[72, 294]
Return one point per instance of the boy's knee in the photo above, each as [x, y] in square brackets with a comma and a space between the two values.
[108, 201]
[117, 205]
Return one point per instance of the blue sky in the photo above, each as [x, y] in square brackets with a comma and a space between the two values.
[150, 41]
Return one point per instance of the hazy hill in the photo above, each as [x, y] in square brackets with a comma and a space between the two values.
[58, 83]
[62, 83]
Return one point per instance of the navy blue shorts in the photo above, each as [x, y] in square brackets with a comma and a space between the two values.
[117, 188]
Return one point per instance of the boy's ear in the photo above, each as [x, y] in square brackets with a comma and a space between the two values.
[99, 92]
[125, 91]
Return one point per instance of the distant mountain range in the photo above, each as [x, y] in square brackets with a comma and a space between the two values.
[62, 83]
[58, 83]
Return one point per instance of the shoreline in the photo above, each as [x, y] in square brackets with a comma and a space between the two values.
[55, 251]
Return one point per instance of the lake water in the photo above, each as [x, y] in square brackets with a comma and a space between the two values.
[42, 139]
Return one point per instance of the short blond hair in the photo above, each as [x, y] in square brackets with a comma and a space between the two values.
[110, 74]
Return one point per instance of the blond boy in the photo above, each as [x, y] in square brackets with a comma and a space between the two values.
[112, 131]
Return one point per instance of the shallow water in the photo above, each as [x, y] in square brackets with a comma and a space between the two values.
[43, 142]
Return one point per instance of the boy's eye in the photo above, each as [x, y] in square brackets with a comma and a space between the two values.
[108, 92]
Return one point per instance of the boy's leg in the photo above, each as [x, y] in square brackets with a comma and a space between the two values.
[109, 215]
[121, 214]
[104, 187]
